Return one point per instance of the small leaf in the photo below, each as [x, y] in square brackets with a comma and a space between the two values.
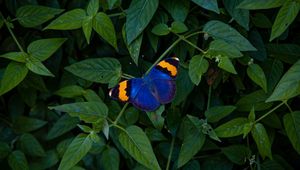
[17, 161]
[288, 86]
[211, 5]
[93, 7]
[156, 117]
[220, 47]
[85, 128]
[31, 146]
[237, 153]
[251, 115]
[134, 48]
[68, 21]
[44, 48]
[262, 141]
[103, 25]
[256, 74]
[226, 64]
[178, 27]
[110, 159]
[100, 70]
[177, 8]
[139, 15]
[286, 15]
[63, 125]
[161, 29]
[220, 30]
[46, 162]
[137, 144]
[76, 151]
[34, 15]
[259, 4]
[216, 113]
[234, 127]
[291, 123]
[14, 74]
[91, 96]
[37, 67]
[89, 112]
[15, 56]
[26, 124]
[256, 99]
[241, 16]
[87, 27]
[197, 67]
[70, 91]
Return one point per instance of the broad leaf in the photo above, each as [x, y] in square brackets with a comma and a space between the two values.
[284, 18]
[37, 67]
[68, 21]
[256, 74]
[216, 113]
[89, 112]
[234, 127]
[161, 29]
[26, 124]
[226, 64]
[101, 70]
[92, 7]
[14, 73]
[44, 48]
[255, 99]
[237, 153]
[70, 91]
[259, 4]
[156, 117]
[134, 48]
[76, 151]
[222, 48]
[17, 161]
[197, 67]
[291, 123]
[139, 14]
[15, 56]
[110, 159]
[211, 5]
[87, 27]
[262, 141]
[178, 27]
[220, 30]
[46, 162]
[103, 25]
[31, 146]
[137, 144]
[288, 53]
[240, 15]
[178, 9]
[288, 86]
[34, 15]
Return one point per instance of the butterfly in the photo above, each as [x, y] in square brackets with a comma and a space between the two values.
[149, 92]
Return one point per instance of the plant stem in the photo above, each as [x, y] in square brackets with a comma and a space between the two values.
[208, 97]
[189, 42]
[120, 114]
[288, 106]
[171, 152]
[269, 112]
[117, 14]
[13, 35]
[128, 75]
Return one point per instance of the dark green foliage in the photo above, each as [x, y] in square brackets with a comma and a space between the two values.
[236, 106]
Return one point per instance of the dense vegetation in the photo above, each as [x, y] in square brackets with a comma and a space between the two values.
[237, 102]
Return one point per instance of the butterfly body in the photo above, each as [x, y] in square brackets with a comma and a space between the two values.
[149, 92]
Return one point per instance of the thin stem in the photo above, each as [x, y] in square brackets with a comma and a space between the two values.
[288, 106]
[194, 33]
[13, 35]
[269, 112]
[128, 75]
[117, 14]
[119, 127]
[171, 152]
[125, 77]
[120, 114]
[209, 97]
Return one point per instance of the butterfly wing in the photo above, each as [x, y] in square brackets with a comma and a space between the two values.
[136, 92]
[162, 80]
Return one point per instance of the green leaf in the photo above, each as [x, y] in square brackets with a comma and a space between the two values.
[184, 86]
[63, 125]
[177, 8]
[197, 67]
[193, 140]
[178, 27]
[220, 30]
[44, 48]
[291, 123]
[251, 116]
[284, 18]
[161, 29]
[255, 99]
[134, 48]
[31, 146]
[220, 47]
[259, 4]
[37, 67]
[156, 117]
[14, 73]
[110, 159]
[70, 91]
[241, 16]
[262, 141]
[15, 56]
[34, 15]
[288, 53]
[100, 70]
[76, 151]
[87, 27]
[26, 124]
[260, 20]
[234, 127]
[92, 96]
[137, 144]
[90, 112]
[256, 74]
[237, 153]
[288, 86]
[139, 14]
[85, 129]
[68, 21]
[4, 150]
[17, 161]
[92, 7]
[226, 64]
[46, 162]
[211, 5]
[216, 113]
[155, 134]
[256, 39]
[103, 25]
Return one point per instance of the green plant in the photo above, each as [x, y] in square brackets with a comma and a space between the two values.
[237, 98]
